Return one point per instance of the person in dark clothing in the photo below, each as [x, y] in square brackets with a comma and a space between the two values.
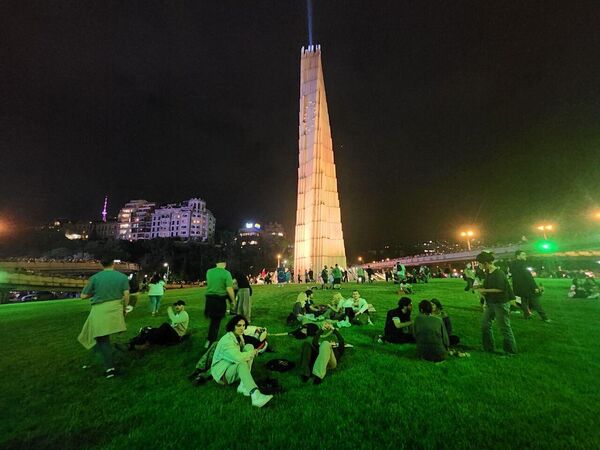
[370, 273]
[243, 295]
[525, 287]
[430, 334]
[316, 358]
[438, 311]
[498, 293]
[168, 333]
[398, 326]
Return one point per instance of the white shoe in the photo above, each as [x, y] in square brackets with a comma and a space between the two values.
[242, 390]
[259, 399]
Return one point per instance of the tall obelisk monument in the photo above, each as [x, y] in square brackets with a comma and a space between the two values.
[319, 237]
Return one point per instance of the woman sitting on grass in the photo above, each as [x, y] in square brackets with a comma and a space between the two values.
[232, 361]
[430, 334]
[310, 307]
[316, 358]
[438, 311]
[336, 307]
[298, 310]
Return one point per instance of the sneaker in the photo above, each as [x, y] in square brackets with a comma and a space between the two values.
[259, 399]
[109, 373]
[242, 390]
[304, 378]
[317, 380]
[379, 340]
[547, 320]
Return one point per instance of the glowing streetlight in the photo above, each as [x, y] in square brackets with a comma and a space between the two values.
[545, 228]
[468, 235]
[278, 260]
[360, 259]
[167, 266]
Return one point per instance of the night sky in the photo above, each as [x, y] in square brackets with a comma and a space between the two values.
[442, 113]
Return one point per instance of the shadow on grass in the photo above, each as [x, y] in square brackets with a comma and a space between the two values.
[84, 438]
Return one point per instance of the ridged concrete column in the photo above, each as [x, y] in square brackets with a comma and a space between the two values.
[319, 238]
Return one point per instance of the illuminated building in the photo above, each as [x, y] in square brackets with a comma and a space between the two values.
[189, 219]
[135, 219]
[319, 239]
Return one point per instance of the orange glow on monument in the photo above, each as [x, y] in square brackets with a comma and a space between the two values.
[319, 238]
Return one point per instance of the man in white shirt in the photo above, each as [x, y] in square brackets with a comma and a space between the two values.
[357, 309]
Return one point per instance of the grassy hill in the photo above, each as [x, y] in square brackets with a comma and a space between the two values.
[381, 396]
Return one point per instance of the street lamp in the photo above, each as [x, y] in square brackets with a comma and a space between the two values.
[278, 260]
[468, 235]
[360, 259]
[167, 266]
[545, 228]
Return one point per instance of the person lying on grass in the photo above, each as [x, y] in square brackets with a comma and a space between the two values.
[398, 326]
[232, 361]
[316, 358]
[168, 333]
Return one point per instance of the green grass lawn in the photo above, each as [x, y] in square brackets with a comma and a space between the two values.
[381, 396]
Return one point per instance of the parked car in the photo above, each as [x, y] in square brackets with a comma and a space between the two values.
[39, 295]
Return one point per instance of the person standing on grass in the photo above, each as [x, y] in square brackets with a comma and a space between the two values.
[337, 277]
[469, 276]
[156, 290]
[324, 277]
[497, 293]
[232, 361]
[219, 289]
[108, 291]
[525, 287]
[316, 358]
[243, 295]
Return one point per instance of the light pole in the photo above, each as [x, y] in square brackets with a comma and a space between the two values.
[278, 260]
[167, 266]
[545, 228]
[468, 234]
[360, 259]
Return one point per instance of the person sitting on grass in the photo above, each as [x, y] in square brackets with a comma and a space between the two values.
[438, 311]
[405, 288]
[430, 334]
[232, 361]
[356, 310]
[168, 333]
[310, 307]
[316, 358]
[398, 326]
[336, 307]
[298, 310]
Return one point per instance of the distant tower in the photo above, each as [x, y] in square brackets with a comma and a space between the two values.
[104, 210]
[319, 238]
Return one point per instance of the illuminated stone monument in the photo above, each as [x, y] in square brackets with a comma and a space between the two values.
[319, 238]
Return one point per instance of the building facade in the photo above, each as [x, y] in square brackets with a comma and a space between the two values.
[135, 220]
[188, 220]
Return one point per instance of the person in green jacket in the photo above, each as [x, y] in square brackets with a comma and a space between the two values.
[337, 277]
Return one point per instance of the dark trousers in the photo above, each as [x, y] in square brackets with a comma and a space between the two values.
[213, 328]
[533, 302]
[163, 335]
[105, 351]
[307, 359]
[469, 285]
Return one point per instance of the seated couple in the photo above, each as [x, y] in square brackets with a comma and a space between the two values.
[168, 333]
[354, 310]
[431, 330]
[316, 358]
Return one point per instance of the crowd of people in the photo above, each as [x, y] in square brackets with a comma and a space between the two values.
[228, 359]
